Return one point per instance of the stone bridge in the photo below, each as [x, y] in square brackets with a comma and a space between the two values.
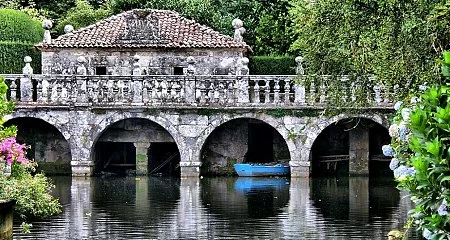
[187, 110]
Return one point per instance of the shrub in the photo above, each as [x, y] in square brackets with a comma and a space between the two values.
[32, 193]
[420, 149]
[12, 54]
[269, 65]
[18, 33]
[16, 26]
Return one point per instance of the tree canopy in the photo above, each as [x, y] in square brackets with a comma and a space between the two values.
[396, 40]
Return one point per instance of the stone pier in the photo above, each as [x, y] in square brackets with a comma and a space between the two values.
[359, 151]
[6, 219]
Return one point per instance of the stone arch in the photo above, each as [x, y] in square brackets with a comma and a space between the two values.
[55, 119]
[104, 122]
[218, 120]
[48, 145]
[319, 126]
[276, 124]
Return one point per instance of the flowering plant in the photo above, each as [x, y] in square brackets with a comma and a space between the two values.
[31, 191]
[420, 151]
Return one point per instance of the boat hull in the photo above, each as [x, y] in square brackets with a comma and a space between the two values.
[259, 170]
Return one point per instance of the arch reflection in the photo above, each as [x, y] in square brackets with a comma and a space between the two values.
[358, 199]
[237, 198]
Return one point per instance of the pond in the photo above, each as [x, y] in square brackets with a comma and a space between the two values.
[223, 208]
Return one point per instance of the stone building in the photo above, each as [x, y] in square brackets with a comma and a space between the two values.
[146, 41]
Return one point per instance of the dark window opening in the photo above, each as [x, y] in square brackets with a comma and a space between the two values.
[100, 70]
[178, 71]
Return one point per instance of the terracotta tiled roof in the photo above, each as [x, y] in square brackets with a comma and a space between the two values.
[145, 28]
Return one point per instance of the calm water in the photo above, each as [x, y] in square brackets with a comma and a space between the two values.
[223, 208]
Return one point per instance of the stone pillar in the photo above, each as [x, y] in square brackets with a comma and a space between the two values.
[189, 87]
[359, 151]
[300, 168]
[300, 90]
[82, 168]
[242, 81]
[141, 157]
[6, 219]
[358, 199]
[190, 169]
[26, 86]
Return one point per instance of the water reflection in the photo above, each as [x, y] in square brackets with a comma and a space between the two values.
[223, 208]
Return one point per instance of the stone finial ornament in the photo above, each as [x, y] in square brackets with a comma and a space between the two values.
[299, 70]
[68, 28]
[191, 66]
[239, 30]
[27, 70]
[81, 69]
[242, 68]
[47, 25]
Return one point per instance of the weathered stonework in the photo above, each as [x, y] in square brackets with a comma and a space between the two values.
[151, 61]
[188, 130]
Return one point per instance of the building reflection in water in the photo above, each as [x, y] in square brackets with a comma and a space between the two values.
[219, 208]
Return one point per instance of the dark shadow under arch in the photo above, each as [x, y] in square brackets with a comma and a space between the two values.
[333, 147]
[48, 147]
[136, 146]
[242, 140]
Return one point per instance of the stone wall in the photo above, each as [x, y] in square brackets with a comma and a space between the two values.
[151, 61]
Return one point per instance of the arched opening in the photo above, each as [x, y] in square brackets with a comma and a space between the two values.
[351, 146]
[242, 140]
[136, 146]
[48, 147]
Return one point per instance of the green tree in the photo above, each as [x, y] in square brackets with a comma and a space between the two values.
[396, 40]
[82, 15]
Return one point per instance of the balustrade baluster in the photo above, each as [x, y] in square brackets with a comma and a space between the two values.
[267, 91]
[145, 91]
[13, 89]
[256, 90]
[276, 91]
[312, 92]
[177, 88]
[221, 92]
[64, 93]
[386, 94]
[323, 90]
[377, 90]
[287, 90]
[230, 92]
[95, 90]
[202, 88]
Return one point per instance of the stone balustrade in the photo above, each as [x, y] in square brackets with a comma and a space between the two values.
[195, 90]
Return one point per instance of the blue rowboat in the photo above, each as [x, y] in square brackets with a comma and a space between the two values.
[261, 170]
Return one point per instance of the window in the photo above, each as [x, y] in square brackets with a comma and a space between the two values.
[178, 71]
[100, 70]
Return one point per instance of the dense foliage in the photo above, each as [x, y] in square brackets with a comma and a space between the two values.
[12, 55]
[396, 40]
[82, 15]
[265, 21]
[268, 65]
[18, 34]
[16, 26]
[420, 149]
[32, 193]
